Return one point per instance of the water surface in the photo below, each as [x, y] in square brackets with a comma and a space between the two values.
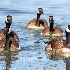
[33, 56]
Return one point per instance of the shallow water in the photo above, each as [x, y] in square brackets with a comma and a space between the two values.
[32, 55]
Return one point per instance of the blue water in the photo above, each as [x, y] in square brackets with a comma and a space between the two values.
[32, 55]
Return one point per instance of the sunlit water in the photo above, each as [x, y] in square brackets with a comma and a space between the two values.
[32, 55]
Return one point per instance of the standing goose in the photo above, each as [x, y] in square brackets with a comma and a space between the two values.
[51, 30]
[60, 45]
[37, 23]
[8, 39]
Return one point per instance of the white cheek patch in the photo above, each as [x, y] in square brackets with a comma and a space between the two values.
[67, 29]
[6, 19]
[38, 11]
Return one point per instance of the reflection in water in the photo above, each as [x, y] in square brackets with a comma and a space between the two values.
[68, 63]
[23, 11]
[56, 56]
[8, 61]
[9, 57]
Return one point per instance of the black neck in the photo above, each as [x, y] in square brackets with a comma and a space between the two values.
[68, 39]
[51, 25]
[8, 25]
[8, 41]
[38, 17]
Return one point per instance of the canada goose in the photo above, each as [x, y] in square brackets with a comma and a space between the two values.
[51, 30]
[37, 23]
[8, 39]
[60, 45]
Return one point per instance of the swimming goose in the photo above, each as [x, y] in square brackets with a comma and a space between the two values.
[8, 39]
[60, 45]
[52, 30]
[37, 23]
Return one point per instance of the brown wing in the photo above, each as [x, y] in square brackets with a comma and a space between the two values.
[43, 22]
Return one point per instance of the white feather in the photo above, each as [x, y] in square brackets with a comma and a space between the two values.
[67, 29]
[6, 20]
[38, 11]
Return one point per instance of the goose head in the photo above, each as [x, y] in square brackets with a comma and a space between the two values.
[8, 21]
[51, 19]
[40, 11]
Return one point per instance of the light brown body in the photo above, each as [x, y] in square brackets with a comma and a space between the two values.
[14, 39]
[32, 24]
[57, 31]
[58, 45]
